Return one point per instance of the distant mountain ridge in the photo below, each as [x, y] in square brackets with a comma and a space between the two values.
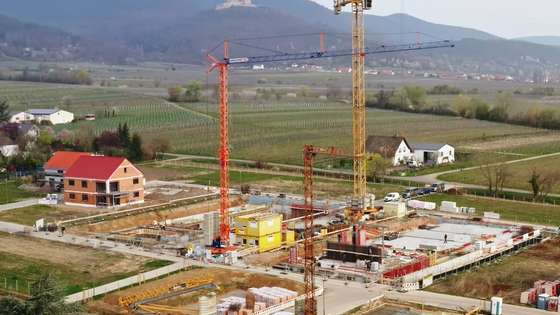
[183, 30]
[542, 40]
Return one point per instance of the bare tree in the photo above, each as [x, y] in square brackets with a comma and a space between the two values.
[495, 175]
[543, 183]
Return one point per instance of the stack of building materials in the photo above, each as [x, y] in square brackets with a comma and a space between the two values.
[449, 206]
[497, 305]
[258, 300]
[467, 210]
[394, 209]
[273, 296]
[422, 205]
[544, 295]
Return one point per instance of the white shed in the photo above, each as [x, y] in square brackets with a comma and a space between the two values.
[433, 153]
[21, 117]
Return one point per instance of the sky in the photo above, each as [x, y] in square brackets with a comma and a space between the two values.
[505, 18]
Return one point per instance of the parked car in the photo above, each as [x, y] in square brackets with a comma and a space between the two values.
[392, 197]
[419, 191]
[413, 164]
[427, 190]
[438, 187]
[409, 193]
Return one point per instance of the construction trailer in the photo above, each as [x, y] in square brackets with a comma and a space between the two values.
[263, 230]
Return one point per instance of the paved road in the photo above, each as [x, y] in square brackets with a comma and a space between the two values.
[433, 178]
[19, 204]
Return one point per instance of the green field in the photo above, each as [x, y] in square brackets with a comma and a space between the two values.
[268, 130]
[520, 174]
[24, 260]
[9, 192]
[509, 210]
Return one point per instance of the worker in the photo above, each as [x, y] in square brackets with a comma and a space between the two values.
[445, 239]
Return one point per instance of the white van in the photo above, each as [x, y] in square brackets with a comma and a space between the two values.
[392, 197]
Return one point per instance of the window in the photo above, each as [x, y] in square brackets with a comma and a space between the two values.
[71, 182]
[84, 184]
[72, 196]
[135, 181]
[136, 194]
[125, 169]
[84, 197]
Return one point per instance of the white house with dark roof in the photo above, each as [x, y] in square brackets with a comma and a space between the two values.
[55, 116]
[433, 153]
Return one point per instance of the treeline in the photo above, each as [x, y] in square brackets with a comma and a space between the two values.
[413, 99]
[50, 75]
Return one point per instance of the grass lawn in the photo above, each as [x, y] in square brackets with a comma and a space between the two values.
[506, 278]
[9, 192]
[23, 260]
[28, 215]
[509, 210]
[520, 174]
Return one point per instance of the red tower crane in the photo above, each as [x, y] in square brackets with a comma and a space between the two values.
[223, 65]
[309, 153]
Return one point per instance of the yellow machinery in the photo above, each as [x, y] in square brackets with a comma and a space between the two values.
[358, 102]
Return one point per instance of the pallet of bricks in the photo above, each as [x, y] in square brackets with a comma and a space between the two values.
[257, 301]
[544, 295]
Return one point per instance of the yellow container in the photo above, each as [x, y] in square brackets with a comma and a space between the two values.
[259, 224]
[265, 242]
[290, 237]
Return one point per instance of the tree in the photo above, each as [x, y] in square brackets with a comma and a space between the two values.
[496, 175]
[47, 298]
[4, 111]
[377, 166]
[416, 95]
[12, 306]
[193, 91]
[135, 152]
[174, 93]
[543, 183]
[124, 134]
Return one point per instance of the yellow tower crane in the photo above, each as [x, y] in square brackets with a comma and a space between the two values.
[358, 102]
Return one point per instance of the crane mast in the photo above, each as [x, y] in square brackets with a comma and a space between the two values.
[357, 205]
[309, 154]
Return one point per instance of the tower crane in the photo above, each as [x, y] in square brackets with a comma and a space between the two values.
[309, 153]
[357, 205]
[223, 64]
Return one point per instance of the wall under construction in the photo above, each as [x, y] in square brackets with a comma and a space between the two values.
[352, 253]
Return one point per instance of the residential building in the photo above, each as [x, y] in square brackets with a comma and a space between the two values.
[102, 181]
[433, 153]
[395, 149]
[58, 164]
[7, 147]
[54, 116]
[399, 151]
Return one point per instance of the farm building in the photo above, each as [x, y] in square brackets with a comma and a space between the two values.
[102, 181]
[54, 116]
[433, 153]
[395, 148]
[58, 164]
[400, 151]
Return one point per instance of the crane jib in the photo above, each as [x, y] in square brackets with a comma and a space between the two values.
[338, 53]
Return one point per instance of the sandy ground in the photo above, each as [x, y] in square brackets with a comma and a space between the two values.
[95, 262]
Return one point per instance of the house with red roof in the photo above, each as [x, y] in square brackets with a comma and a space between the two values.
[58, 164]
[103, 181]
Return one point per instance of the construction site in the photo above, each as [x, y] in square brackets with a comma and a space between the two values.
[231, 239]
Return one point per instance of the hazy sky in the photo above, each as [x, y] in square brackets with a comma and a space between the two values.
[506, 18]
